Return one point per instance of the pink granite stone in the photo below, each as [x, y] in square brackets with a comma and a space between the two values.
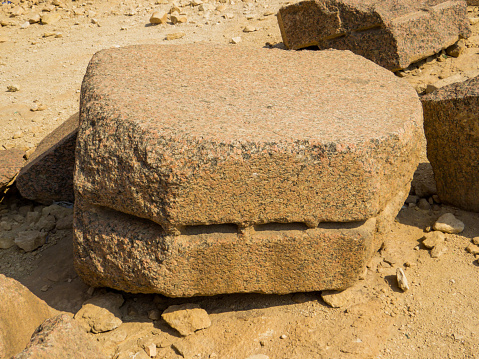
[391, 33]
[451, 125]
[48, 175]
[187, 135]
[124, 252]
[11, 161]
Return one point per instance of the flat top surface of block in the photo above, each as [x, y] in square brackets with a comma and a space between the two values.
[226, 93]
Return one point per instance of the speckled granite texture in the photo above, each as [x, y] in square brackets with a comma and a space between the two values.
[127, 253]
[451, 125]
[61, 337]
[306, 137]
[391, 33]
[48, 175]
[11, 161]
[195, 186]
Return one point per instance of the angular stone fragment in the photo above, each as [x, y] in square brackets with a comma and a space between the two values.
[48, 175]
[451, 125]
[391, 33]
[101, 314]
[186, 318]
[124, 252]
[333, 139]
[61, 337]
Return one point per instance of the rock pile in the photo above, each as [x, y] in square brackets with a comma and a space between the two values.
[392, 34]
[232, 167]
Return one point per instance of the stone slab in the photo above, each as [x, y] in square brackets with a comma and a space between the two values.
[210, 260]
[306, 137]
[391, 33]
[451, 125]
[48, 175]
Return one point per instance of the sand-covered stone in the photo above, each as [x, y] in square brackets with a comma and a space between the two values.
[451, 126]
[307, 140]
[48, 175]
[391, 33]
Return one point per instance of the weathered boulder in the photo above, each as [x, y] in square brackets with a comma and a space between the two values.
[48, 175]
[20, 313]
[391, 33]
[451, 125]
[61, 337]
[334, 139]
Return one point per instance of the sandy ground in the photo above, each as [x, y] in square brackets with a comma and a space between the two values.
[436, 318]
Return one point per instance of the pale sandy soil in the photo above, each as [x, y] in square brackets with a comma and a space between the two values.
[437, 318]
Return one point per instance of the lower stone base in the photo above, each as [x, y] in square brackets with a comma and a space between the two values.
[127, 253]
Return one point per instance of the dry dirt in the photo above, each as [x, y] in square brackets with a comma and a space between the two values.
[436, 318]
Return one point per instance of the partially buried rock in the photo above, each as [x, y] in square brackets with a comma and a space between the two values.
[433, 238]
[30, 240]
[186, 318]
[447, 223]
[344, 299]
[473, 249]
[175, 35]
[402, 280]
[438, 250]
[61, 337]
[51, 18]
[101, 314]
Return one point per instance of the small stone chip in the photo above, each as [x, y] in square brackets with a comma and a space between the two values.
[159, 18]
[175, 35]
[473, 249]
[439, 250]
[235, 40]
[13, 88]
[249, 28]
[402, 280]
[433, 238]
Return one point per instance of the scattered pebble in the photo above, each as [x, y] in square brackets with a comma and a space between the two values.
[235, 40]
[424, 204]
[402, 280]
[50, 18]
[175, 35]
[473, 249]
[154, 314]
[433, 238]
[475, 240]
[186, 318]
[178, 19]
[448, 223]
[13, 88]
[45, 288]
[34, 19]
[150, 350]
[249, 28]
[456, 49]
[439, 250]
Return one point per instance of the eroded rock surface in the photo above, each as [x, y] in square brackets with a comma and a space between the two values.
[391, 33]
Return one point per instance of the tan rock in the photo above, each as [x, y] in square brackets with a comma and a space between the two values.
[61, 337]
[433, 238]
[448, 223]
[186, 318]
[402, 280]
[178, 19]
[175, 35]
[51, 18]
[30, 240]
[101, 314]
[21, 312]
[159, 18]
[354, 295]
[439, 250]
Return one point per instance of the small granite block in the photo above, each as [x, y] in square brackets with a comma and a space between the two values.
[48, 175]
[451, 125]
[128, 253]
[391, 33]
[306, 137]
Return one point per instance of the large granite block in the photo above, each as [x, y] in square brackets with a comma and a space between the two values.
[391, 33]
[451, 125]
[306, 137]
[48, 175]
[127, 253]
[231, 180]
